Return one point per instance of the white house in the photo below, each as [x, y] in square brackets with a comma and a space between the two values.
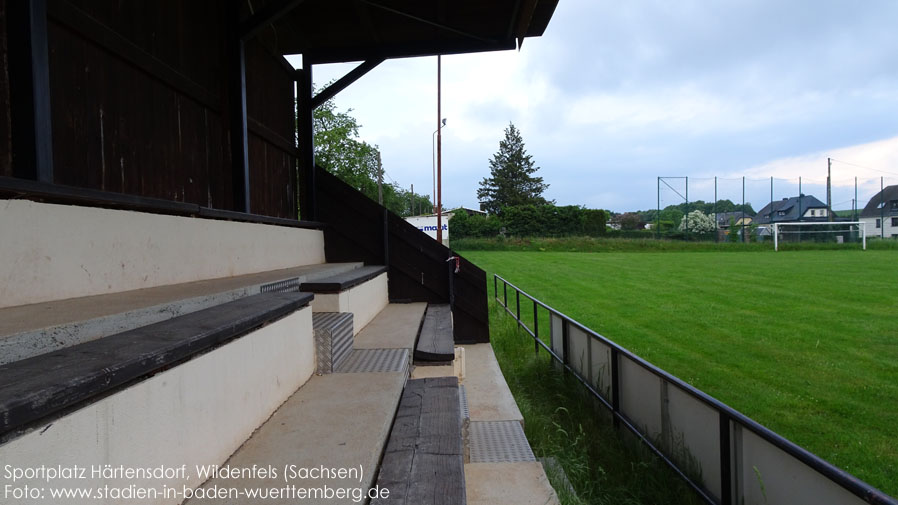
[881, 213]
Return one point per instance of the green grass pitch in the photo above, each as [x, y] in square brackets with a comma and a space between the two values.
[804, 342]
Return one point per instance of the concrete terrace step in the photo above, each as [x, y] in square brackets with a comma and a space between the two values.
[500, 467]
[337, 423]
[395, 327]
[35, 388]
[29, 330]
[344, 280]
[362, 291]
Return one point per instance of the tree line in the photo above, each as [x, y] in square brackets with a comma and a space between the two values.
[513, 198]
[339, 150]
[531, 221]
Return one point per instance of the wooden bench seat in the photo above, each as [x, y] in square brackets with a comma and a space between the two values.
[424, 460]
[436, 345]
[362, 291]
[343, 281]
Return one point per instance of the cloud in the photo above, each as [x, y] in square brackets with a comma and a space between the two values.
[616, 94]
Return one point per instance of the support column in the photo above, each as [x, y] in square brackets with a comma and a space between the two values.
[29, 83]
[308, 208]
[237, 113]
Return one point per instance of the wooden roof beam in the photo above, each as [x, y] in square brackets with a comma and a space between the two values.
[344, 82]
[429, 22]
[271, 12]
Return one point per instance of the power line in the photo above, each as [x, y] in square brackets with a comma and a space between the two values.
[866, 168]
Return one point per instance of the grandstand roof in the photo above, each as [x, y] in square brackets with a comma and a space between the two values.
[329, 31]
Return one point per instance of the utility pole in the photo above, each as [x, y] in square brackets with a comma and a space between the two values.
[829, 189]
[439, 158]
[412, 209]
[380, 180]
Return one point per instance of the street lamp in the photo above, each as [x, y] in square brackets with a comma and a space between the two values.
[433, 158]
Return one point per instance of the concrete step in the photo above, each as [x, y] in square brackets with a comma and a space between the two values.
[362, 291]
[326, 438]
[395, 327]
[338, 421]
[489, 398]
[30, 330]
[180, 393]
[501, 467]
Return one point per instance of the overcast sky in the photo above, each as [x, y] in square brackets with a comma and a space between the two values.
[615, 94]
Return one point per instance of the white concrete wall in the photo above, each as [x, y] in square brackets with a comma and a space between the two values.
[197, 413]
[365, 301]
[52, 252]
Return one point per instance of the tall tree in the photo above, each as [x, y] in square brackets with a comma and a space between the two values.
[511, 181]
[340, 151]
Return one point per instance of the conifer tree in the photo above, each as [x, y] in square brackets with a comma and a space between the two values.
[511, 181]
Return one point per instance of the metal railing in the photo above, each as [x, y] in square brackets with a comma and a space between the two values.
[725, 456]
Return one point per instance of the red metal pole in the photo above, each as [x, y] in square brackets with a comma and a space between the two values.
[439, 160]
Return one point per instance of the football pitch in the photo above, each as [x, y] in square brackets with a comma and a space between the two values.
[804, 342]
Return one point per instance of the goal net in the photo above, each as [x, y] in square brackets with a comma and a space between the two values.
[838, 232]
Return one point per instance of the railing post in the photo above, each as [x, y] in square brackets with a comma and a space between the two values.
[517, 296]
[535, 329]
[505, 293]
[495, 287]
[565, 345]
[726, 479]
[615, 386]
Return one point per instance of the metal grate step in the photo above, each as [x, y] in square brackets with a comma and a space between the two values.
[463, 399]
[375, 360]
[498, 442]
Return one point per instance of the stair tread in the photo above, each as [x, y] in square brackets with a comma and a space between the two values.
[45, 384]
[344, 280]
[28, 330]
[395, 327]
[335, 421]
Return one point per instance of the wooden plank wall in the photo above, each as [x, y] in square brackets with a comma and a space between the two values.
[5, 126]
[418, 270]
[139, 105]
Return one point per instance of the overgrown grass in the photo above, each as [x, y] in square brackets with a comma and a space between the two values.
[804, 342]
[598, 244]
[562, 421]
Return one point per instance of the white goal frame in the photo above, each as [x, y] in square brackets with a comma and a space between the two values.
[861, 225]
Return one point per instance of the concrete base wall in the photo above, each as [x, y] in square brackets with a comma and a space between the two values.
[52, 252]
[364, 301]
[197, 413]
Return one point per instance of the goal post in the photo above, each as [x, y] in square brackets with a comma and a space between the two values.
[835, 231]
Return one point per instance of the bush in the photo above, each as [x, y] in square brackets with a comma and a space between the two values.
[532, 221]
[476, 226]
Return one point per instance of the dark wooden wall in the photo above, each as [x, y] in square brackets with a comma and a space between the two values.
[139, 104]
[5, 127]
[358, 229]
